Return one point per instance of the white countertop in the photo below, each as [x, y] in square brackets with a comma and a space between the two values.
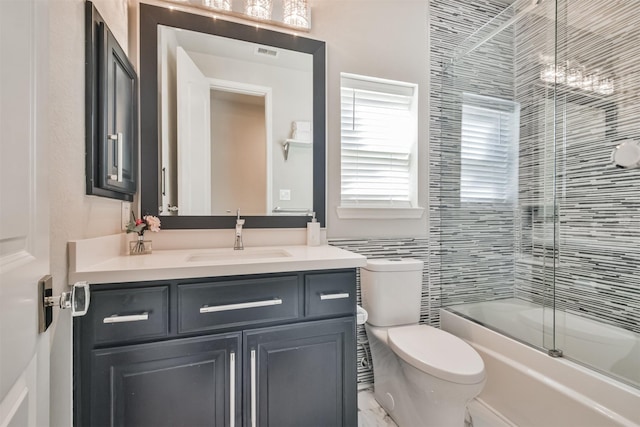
[100, 261]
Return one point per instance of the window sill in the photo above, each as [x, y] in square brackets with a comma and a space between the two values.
[349, 212]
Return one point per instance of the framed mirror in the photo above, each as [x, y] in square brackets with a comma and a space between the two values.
[232, 117]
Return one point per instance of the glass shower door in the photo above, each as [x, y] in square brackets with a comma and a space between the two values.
[597, 291]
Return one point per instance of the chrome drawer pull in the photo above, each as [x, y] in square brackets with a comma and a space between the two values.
[123, 319]
[334, 296]
[240, 306]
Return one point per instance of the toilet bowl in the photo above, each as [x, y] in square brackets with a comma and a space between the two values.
[423, 376]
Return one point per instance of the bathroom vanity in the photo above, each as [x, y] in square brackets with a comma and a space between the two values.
[269, 349]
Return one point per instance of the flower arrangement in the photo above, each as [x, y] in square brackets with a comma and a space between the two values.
[139, 226]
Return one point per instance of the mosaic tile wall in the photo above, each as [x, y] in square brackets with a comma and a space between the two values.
[471, 248]
[593, 253]
[598, 205]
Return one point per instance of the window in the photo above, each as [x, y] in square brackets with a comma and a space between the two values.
[379, 131]
[489, 150]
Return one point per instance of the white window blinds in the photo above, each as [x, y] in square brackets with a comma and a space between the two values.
[378, 140]
[489, 150]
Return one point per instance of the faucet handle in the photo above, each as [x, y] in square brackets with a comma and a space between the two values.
[239, 221]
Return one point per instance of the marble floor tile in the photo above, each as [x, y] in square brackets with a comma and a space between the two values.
[370, 414]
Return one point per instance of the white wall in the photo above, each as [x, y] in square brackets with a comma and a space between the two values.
[73, 214]
[379, 38]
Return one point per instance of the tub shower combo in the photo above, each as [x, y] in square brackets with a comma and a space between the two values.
[539, 217]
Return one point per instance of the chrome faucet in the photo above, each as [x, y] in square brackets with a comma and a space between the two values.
[238, 246]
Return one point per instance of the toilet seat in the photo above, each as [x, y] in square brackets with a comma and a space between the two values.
[437, 353]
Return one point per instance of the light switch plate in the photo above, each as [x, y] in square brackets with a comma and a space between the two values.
[126, 215]
[285, 194]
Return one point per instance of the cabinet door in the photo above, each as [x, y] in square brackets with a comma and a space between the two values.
[301, 375]
[186, 382]
[111, 117]
[119, 153]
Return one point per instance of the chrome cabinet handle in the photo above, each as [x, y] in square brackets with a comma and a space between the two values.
[232, 390]
[118, 138]
[240, 306]
[163, 181]
[340, 295]
[253, 388]
[124, 319]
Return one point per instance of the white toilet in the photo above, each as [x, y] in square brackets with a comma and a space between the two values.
[423, 376]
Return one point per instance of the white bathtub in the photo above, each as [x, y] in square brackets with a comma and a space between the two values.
[529, 388]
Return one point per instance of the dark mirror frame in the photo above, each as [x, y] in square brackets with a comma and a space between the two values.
[150, 18]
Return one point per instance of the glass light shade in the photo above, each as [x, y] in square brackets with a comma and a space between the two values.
[574, 77]
[605, 86]
[588, 82]
[548, 73]
[296, 13]
[259, 8]
[217, 4]
[553, 74]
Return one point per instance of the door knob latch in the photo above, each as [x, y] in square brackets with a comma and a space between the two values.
[77, 300]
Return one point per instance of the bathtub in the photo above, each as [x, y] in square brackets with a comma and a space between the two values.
[528, 388]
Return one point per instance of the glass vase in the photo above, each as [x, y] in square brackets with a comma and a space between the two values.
[140, 246]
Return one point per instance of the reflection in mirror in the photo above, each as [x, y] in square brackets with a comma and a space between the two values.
[235, 116]
[224, 131]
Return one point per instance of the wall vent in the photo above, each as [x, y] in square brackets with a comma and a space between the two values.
[264, 51]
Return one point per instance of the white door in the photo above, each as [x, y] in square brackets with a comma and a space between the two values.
[24, 216]
[194, 137]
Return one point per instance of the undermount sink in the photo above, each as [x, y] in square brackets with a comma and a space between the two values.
[230, 254]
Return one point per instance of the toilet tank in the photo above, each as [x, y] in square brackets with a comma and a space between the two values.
[391, 291]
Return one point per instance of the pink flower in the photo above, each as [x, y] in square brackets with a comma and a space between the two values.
[153, 222]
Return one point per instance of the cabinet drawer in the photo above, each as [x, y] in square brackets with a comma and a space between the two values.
[329, 294]
[129, 314]
[233, 303]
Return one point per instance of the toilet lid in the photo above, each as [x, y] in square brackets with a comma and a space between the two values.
[437, 353]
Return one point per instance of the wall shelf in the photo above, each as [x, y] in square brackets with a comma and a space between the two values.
[287, 143]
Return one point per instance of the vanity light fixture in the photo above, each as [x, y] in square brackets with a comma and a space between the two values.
[260, 9]
[291, 14]
[296, 13]
[217, 4]
[578, 77]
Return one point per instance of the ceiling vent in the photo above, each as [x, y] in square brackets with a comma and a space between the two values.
[264, 51]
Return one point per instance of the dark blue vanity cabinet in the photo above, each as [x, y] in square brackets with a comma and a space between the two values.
[262, 350]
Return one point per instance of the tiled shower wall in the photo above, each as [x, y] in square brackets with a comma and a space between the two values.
[598, 233]
[471, 250]
[590, 258]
